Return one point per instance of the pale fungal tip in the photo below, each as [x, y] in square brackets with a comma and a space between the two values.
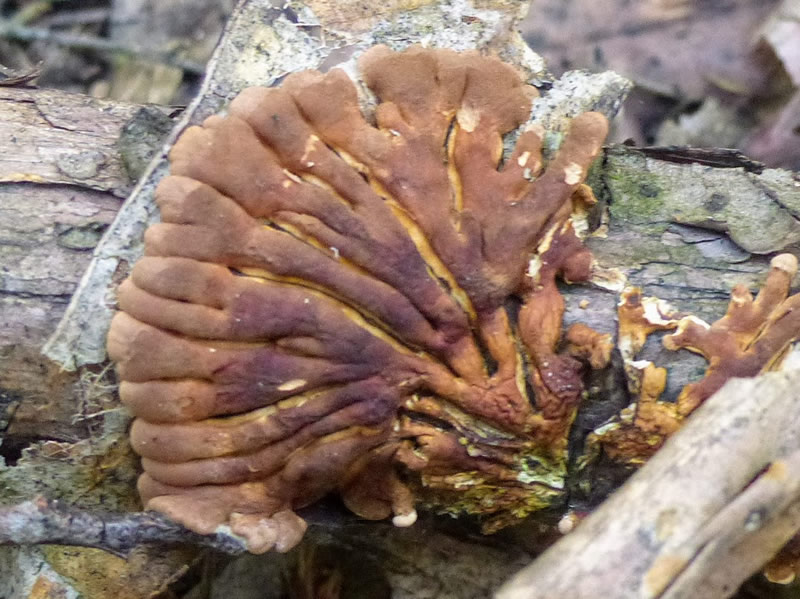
[536, 129]
[573, 173]
[567, 523]
[787, 579]
[405, 520]
[292, 385]
[785, 262]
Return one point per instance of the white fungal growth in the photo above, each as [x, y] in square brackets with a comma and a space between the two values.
[405, 520]
[534, 266]
[573, 173]
[292, 176]
[468, 118]
[640, 364]
[659, 312]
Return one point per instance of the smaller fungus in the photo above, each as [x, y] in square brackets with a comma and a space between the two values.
[751, 337]
[589, 345]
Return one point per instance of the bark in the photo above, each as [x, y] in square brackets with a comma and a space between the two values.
[61, 180]
[414, 568]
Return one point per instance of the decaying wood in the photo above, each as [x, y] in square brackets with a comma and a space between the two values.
[61, 180]
[61, 177]
[720, 498]
[58, 138]
[62, 174]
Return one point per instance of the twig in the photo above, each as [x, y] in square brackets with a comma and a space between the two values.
[21, 33]
[31, 11]
[12, 79]
[81, 16]
[43, 521]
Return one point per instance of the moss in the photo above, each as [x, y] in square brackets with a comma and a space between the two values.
[637, 195]
[494, 502]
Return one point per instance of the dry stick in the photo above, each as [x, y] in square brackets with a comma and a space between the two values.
[12, 79]
[43, 521]
[21, 33]
[80, 16]
[715, 504]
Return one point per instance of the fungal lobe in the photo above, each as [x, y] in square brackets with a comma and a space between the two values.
[341, 301]
[753, 336]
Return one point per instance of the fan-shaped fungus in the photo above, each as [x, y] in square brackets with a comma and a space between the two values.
[332, 303]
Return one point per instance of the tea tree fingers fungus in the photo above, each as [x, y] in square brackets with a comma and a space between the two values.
[359, 303]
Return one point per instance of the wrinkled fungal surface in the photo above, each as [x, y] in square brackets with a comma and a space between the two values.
[359, 303]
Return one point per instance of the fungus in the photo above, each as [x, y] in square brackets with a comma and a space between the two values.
[752, 336]
[333, 303]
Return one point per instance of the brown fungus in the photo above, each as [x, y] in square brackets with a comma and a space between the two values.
[332, 303]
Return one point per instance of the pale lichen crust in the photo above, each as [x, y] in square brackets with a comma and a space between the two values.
[361, 304]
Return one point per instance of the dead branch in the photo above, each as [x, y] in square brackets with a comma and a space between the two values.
[40, 520]
[699, 518]
[23, 33]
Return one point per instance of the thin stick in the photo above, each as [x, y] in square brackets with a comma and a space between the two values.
[22, 33]
[43, 521]
[84, 16]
